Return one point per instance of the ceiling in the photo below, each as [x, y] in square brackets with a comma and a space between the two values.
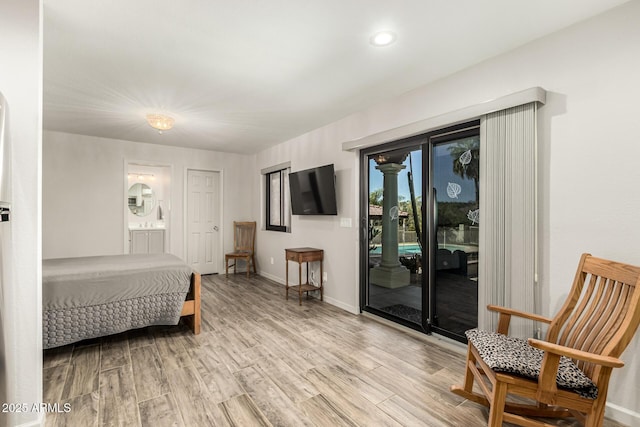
[243, 75]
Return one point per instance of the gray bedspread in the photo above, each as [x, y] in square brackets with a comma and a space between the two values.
[95, 296]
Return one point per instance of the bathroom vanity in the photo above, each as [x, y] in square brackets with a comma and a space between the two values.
[146, 241]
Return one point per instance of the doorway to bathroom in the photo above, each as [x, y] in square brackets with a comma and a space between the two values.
[147, 203]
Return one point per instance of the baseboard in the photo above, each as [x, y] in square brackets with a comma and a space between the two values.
[622, 415]
[276, 279]
[351, 309]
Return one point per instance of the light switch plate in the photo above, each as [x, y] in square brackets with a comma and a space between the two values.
[345, 222]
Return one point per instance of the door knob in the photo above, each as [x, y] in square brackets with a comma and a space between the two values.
[215, 227]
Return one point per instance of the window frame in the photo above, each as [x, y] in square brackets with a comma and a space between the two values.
[280, 170]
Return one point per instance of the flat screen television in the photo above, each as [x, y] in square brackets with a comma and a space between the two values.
[313, 191]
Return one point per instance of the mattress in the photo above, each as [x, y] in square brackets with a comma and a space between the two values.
[95, 296]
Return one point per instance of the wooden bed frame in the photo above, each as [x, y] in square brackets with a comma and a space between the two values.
[191, 308]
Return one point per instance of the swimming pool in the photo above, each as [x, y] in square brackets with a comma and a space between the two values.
[405, 249]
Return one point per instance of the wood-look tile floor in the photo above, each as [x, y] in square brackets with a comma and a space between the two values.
[259, 361]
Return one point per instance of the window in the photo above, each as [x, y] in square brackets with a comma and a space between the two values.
[278, 212]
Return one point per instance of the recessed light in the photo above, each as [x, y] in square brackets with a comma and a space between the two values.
[383, 38]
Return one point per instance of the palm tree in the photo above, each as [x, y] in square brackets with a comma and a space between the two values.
[375, 197]
[466, 160]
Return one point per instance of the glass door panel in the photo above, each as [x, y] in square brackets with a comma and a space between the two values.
[454, 236]
[419, 262]
[394, 243]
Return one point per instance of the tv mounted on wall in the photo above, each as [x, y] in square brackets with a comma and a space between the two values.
[313, 191]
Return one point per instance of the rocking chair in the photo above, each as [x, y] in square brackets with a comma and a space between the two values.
[567, 374]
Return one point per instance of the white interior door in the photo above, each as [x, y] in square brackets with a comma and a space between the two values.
[203, 220]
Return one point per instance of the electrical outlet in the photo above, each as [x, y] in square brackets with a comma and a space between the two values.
[324, 276]
[272, 260]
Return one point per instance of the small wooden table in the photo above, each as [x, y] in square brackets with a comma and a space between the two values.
[301, 255]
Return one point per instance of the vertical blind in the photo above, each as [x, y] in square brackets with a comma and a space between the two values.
[507, 237]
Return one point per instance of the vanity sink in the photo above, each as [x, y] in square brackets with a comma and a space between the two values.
[146, 226]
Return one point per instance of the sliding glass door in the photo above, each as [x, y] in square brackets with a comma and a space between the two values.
[393, 249]
[419, 252]
[455, 202]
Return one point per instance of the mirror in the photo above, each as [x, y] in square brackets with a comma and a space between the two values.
[141, 199]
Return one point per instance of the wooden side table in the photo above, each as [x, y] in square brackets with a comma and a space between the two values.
[301, 255]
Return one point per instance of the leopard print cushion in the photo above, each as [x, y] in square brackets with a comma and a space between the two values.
[515, 356]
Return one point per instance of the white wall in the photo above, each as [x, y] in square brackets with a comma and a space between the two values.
[20, 82]
[588, 151]
[340, 245]
[84, 191]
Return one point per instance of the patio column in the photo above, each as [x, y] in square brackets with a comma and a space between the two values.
[390, 273]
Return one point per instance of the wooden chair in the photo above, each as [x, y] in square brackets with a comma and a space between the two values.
[592, 329]
[244, 238]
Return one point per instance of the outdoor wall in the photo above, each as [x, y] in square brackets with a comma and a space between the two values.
[21, 84]
[588, 172]
[84, 192]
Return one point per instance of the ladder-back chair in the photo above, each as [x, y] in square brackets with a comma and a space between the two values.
[567, 374]
[244, 238]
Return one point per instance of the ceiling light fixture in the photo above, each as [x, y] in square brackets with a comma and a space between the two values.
[382, 38]
[161, 122]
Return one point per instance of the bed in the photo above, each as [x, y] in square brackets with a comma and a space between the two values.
[91, 297]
